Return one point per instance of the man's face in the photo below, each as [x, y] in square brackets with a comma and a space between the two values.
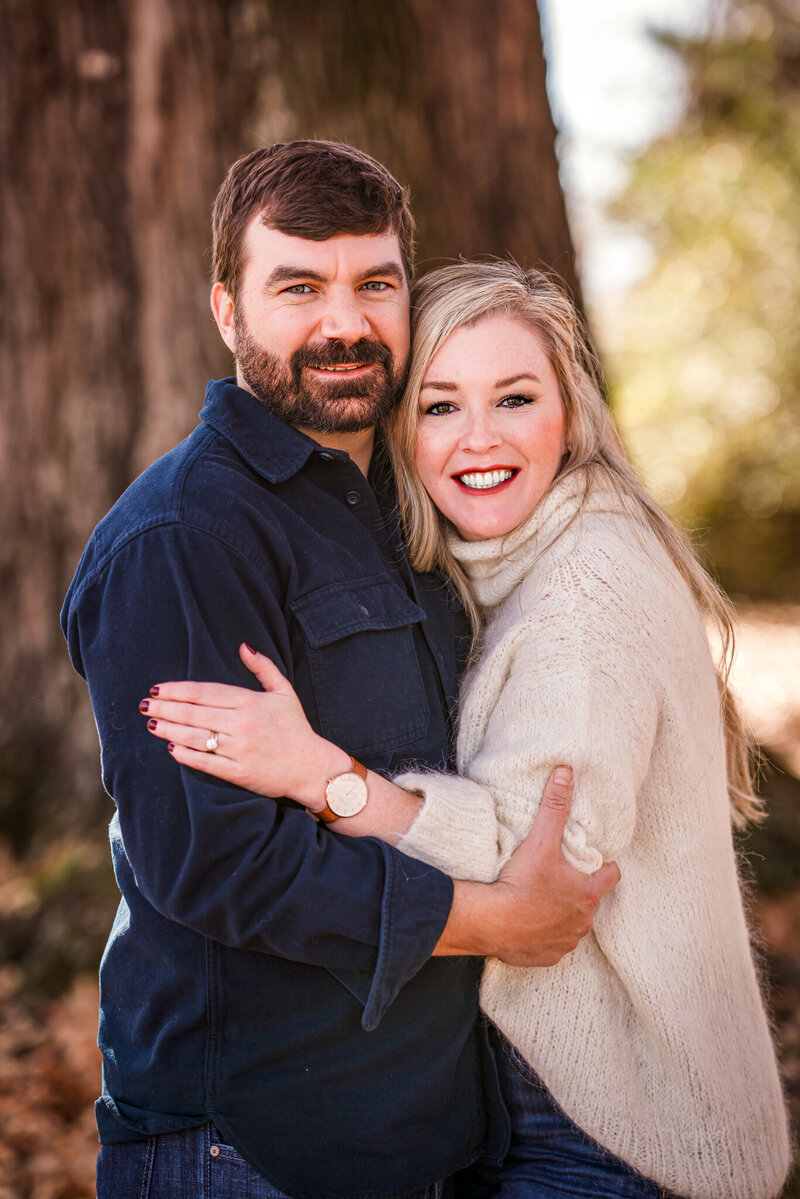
[320, 329]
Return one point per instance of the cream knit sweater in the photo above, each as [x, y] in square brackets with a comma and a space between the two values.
[651, 1035]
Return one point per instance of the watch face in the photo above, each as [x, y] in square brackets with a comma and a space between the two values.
[346, 794]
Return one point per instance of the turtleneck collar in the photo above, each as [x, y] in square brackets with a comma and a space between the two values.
[496, 566]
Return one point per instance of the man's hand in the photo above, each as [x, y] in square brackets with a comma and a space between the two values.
[540, 906]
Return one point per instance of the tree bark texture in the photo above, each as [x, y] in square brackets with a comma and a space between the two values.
[451, 96]
[117, 121]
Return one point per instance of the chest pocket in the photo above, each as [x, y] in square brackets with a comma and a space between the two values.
[367, 682]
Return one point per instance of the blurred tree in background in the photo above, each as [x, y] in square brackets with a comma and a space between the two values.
[704, 353]
[117, 121]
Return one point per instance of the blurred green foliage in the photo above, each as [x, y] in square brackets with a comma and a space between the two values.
[704, 352]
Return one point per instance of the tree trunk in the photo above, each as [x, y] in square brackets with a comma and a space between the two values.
[451, 96]
[119, 120]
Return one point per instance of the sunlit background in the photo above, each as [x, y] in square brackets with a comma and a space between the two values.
[679, 155]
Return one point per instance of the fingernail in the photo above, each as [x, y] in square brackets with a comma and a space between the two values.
[249, 648]
[151, 724]
[171, 746]
[563, 775]
[154, 691]
[144, 705]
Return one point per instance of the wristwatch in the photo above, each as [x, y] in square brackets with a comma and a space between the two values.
[345, 794]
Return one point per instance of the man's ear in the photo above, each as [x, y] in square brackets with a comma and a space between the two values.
[223, 308]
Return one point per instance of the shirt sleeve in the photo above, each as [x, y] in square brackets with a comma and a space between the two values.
[174, 602]
[572, 696]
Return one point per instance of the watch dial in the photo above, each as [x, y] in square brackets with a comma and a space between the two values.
[346, 794]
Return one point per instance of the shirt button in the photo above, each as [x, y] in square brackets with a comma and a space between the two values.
[353, 497]
[214, 1151]
[325, 456]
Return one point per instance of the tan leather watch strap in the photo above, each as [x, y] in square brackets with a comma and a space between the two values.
[355, 767]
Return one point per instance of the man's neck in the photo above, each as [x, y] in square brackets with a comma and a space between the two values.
[358, 445]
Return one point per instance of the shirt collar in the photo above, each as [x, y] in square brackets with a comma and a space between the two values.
[271, 447]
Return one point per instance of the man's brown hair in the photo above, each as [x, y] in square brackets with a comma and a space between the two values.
[311, 189]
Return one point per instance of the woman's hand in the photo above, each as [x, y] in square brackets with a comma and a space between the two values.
[264, 742]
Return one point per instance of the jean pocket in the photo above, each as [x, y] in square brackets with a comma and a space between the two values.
[231, 1176]
[125, 1169]
[519, 1065]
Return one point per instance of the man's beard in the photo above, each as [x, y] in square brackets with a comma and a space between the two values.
[341, 406]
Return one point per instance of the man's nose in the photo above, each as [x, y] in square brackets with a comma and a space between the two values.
[344, 319]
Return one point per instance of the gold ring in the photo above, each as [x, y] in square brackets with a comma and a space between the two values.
[212, 743]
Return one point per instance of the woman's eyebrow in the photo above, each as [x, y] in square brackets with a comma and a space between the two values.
[436, 386]
[516, 379]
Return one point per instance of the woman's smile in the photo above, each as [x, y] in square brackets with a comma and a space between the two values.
[492, 431]
[489, 480]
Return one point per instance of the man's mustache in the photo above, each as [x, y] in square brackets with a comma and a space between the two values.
[337, 353]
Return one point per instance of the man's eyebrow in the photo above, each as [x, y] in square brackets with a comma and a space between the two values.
[287, 273]
[391, 270]
[436, 385]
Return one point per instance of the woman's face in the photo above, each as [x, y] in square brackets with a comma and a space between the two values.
[492, 431]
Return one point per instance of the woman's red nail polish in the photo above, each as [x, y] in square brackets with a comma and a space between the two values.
[171, 746]
[249, 648]
[154, 691]
[151, 724]
[144, 705]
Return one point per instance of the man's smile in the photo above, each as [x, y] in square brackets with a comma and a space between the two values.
[344, 368]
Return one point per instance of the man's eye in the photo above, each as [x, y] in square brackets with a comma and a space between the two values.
[296, 289]
[439, 409]
[375, 285]
[516, 401]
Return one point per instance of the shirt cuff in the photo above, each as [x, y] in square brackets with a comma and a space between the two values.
[416, 904]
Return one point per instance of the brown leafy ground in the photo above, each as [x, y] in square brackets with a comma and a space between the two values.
[53, 912]
[49, 1078]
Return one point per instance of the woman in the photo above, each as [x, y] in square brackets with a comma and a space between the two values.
[642, 1062]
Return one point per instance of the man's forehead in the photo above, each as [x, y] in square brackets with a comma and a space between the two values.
[268, 247]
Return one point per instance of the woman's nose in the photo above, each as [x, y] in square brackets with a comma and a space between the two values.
[479, 435]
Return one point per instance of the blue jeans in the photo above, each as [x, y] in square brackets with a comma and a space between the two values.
[549, 1157]
[195, 1164]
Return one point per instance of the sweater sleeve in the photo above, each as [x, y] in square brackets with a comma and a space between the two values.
[576, 687]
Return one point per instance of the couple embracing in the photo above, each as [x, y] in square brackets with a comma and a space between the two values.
[418, 607]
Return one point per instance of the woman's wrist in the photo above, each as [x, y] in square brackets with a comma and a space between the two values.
[318, 766]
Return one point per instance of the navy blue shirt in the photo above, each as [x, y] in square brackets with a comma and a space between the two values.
[262, 970]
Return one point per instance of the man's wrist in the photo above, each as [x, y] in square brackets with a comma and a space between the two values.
[475, 922]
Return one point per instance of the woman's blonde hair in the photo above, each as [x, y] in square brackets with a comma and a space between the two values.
[467, 292]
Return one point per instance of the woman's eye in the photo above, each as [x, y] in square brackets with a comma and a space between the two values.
[515, 401]
[440, 409]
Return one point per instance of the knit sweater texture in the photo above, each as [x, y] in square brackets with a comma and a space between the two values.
[651, 1035]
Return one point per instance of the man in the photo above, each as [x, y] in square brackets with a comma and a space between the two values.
[284, 1010]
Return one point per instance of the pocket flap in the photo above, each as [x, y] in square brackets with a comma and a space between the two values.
[341, 609]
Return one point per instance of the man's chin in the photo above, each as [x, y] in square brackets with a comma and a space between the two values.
[344, 417]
